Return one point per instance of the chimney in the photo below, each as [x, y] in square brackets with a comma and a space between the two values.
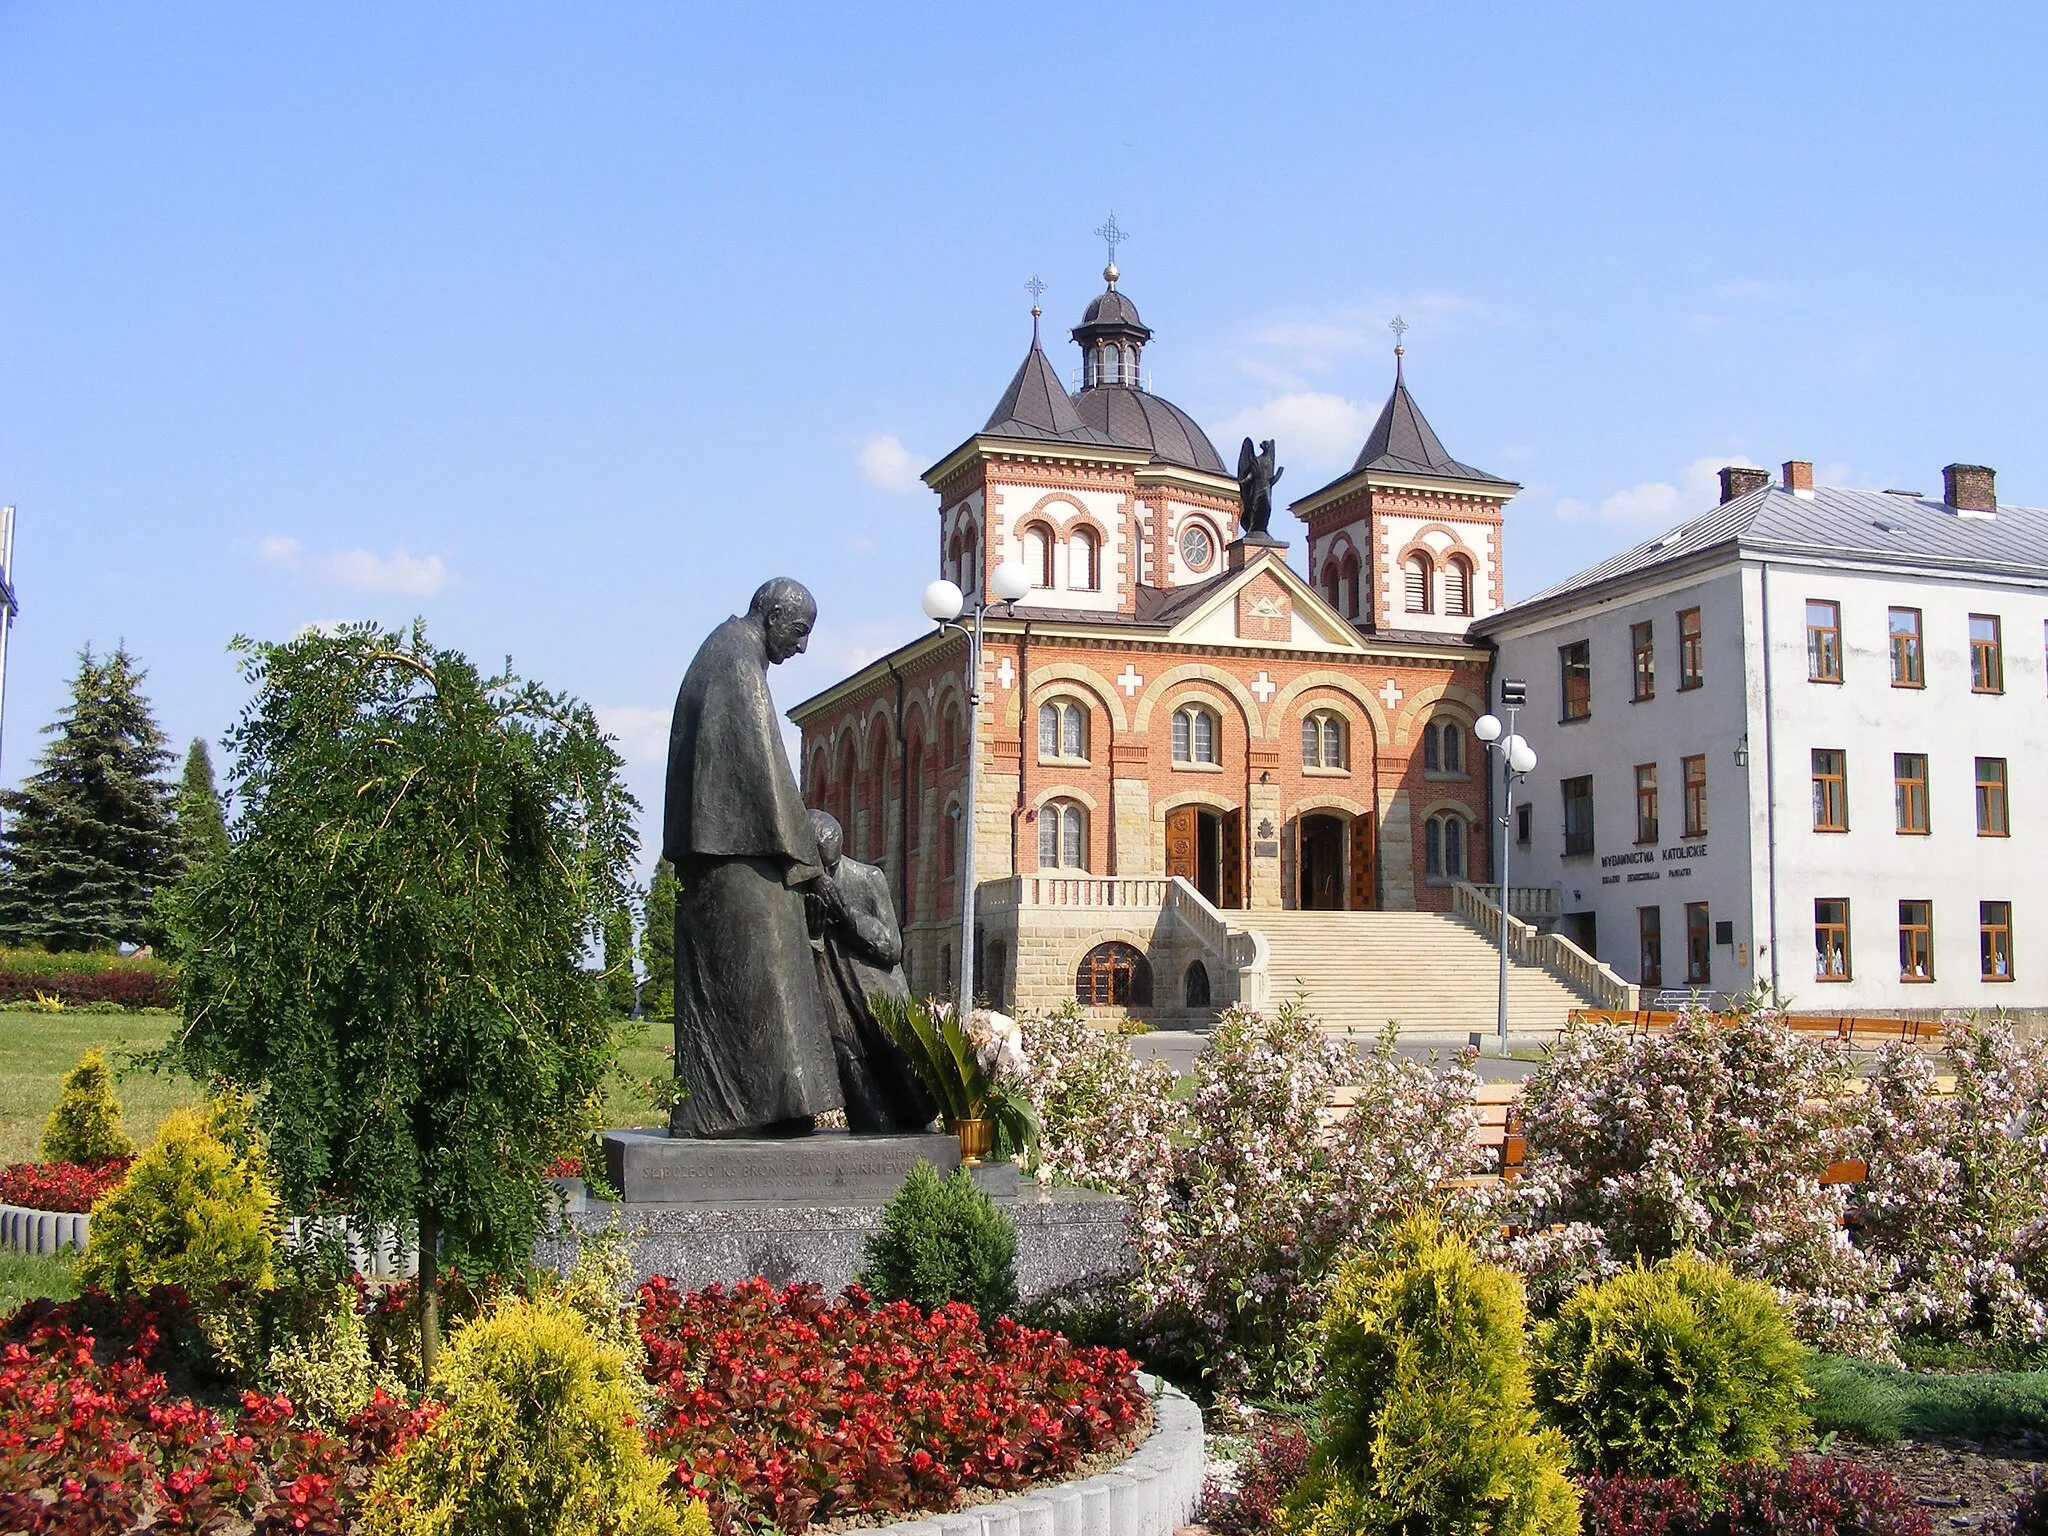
[1738, 480]
[1970, 487]
[1798, 475]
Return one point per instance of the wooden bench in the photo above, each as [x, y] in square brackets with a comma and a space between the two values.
[1852, 1028]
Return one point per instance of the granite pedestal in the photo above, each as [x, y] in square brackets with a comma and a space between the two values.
[803, 1209]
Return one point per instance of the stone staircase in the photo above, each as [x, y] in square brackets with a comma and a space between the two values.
[1427, 970]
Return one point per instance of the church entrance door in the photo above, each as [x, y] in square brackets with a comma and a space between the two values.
[1364, 866]
[1204, 848]
[1322, 864]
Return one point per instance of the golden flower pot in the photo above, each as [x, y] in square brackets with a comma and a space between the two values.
[977, 1138]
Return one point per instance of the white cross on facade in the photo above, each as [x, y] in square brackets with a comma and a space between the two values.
[1265, 687]
[1005, 672]
[1130, 681]
[1390, 692]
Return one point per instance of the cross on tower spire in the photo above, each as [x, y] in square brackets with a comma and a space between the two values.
[1400, 328]
[1037, 290]
[1112, 236]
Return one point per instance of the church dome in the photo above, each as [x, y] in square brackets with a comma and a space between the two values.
[1111, 308]
[1131, 418]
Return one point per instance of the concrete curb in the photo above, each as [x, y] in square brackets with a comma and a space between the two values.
[1153, 1493]
[26, 1230]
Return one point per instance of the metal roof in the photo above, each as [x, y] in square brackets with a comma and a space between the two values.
[1037, 405]
[1110, 311]
[1882, 527]
[1131, 418]
[1403, 442]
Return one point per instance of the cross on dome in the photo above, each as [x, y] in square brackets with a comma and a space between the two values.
[1112, 236]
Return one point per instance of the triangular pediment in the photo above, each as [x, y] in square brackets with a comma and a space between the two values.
[1266, 603]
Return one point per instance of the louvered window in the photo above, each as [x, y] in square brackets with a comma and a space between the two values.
[1458, 588]
[1418, 574]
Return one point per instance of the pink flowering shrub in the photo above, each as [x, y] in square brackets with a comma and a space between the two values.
[1240, 1220]
[1104, 1116]
[1710, 1137]
[1956, 1200]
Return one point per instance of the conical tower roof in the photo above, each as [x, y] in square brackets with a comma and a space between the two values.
[1037, 405]
[1402, 442]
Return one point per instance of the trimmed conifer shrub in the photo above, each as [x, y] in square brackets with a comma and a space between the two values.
[1674, 1371]
[944, 1240]
[85, 1127]
[536, 1434]
[198, 1210]
[1428, 1423]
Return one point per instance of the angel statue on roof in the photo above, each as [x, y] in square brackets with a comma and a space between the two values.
[1257, 474]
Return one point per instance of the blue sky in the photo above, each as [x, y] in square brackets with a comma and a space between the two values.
[565, 326]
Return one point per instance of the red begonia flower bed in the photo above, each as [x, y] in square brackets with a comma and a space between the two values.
[92, 1440]
[783, 1407]
[60, 1186]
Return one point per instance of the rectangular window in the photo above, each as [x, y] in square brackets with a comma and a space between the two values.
[1695, 772]
[1994, 940]
[1830, 790]
[1916, 941]
[1699, 945]
[1909, 790]
[1575, 664]
[1650, 945]
[1831, 939]
[1907, 671]
[1578, 814]
[1643, 660]
[1692, 667]
[1987, 655]
[1823, 642]
[1646, 802]
[1992, 820]
[1522, 820]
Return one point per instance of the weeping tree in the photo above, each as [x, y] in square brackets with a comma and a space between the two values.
[388, 954]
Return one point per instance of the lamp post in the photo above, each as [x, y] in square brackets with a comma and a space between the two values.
[943, 605]
[1517, 757]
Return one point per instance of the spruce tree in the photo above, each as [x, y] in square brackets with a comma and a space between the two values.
[89, 837]
[658, 992]
[202, 820]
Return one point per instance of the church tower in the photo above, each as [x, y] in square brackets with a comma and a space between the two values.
[1105, 497]
[1409, 539]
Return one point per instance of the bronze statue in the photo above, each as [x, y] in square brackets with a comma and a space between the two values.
[859, 952]
[753, 1043]
[1257, 474]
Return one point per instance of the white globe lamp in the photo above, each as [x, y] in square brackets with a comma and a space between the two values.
[942, 602]
[1521, 756]
[1487, 728]
[1010, 582]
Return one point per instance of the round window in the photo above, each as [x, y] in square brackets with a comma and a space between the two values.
[1196, 547]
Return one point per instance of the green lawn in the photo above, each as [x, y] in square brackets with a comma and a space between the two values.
[37, 1049]
[22, 1277]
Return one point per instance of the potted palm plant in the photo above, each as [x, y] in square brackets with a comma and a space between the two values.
[971, 1066]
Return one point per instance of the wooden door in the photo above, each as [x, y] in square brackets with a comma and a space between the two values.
[1230, 860]
[1363, 884]
[1181, 846]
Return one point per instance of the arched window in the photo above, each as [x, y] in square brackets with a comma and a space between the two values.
[1062, 835]
[1330, 582]
[949, 738]
[1323, 740]
[1114, 974]
[1444, 846]
[1418, 572]
[970, 560]
[1194, 735]
[1084, 561]
[879, 755]
[1458, 586]
[1350, 579]
[1062, 729]
[953, 557]
[1038, 555]
[1195, 986]
[1443, 748]
[949, 841]
[913, 799]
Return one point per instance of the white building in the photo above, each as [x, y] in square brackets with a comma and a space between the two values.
[1799, 741]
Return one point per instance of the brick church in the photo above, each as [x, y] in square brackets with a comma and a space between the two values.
[1176, 729]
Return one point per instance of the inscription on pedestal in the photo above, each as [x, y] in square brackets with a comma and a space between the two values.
[826, 1168]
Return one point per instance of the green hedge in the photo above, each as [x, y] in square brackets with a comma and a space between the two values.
[78, 977]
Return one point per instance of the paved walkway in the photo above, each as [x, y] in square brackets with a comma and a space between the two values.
[1178, 1048]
